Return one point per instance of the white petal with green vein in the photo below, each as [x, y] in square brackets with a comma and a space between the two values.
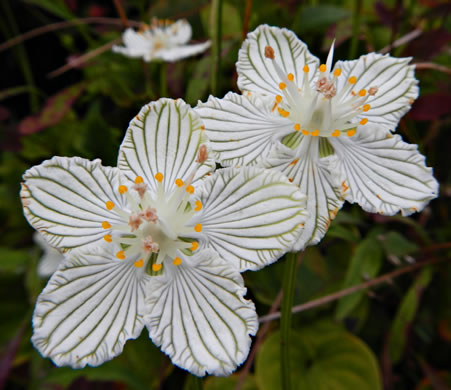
[64, 199]
[257, 74]
[164, 137]
[394, 79]
[250, 216]
[241, 129]
[198, 315]
[384, 174]
[305, 168]
[90, 307]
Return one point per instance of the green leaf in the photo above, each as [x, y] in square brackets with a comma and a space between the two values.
[318, 17]
[56, 7]
[405, 315]
[365, 263]
[229, 383]
[395, 244]
[13, 260]
[325, 356]
[198, 84]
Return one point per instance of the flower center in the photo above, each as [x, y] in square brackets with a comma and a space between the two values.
[322, 110]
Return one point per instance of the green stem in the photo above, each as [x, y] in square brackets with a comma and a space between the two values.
[289, 282]
[215, 23]
[163, 80]
[195, 383]
[355, 29]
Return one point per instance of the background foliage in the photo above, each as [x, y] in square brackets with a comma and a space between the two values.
[394, 335]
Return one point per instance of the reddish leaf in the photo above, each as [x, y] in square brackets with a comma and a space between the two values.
[54, 110]
[428, 45]
[431, 107]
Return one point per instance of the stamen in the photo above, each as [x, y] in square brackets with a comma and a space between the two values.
[297, 127]
[322, 68]
[336, 133]
[362, 92]
[282, 86]
[139, 263]
[179, 182]
[140, 188]
[305, 132]
[269, 52]
[306, 68]
[278, 99]
[198, 205]
[194, 246]
[198, 228]
[177, 261]
[159, 177]
[202, 155]
[290, 76]
[364, 121]
[156, 267]
[108, 238]
[122, 189]
[294, 162]
[351, 133]
[149, 246]
[109, 205]
[337, 72]
[366, 107]
[134, 221]
[326, 87]
[120, 255]
[189, 189]
[138, 180]
[149, 214]
[106, 225]
[285, 113]
[315, 133]
[352, 80]
[372, 91]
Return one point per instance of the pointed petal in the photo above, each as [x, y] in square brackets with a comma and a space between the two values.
[178, 52]
[256, 73]
[384, 174]
[394, 79]
[90, 307]
[304, 168]
[64, 199]
[241, 129]
[250, 216]
[164, 137]
[135, 44]
[198, 314]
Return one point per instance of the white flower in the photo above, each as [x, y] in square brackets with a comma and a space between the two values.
[163, 40]
[51, 257]
[161, 213]
[327, 128]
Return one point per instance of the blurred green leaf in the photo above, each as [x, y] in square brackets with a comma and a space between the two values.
[345, 232]
[56, 7]
[14, 260]
[199, 82]
[318, 17]
[325, 357]
[229, 383]
[406, 313]
[395, 244]
[231, 19]
[365, 263]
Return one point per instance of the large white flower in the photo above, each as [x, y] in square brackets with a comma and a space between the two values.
[163, 40]
[162, 213]
[327, 128]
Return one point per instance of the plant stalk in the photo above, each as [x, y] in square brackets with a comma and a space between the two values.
[215, 23]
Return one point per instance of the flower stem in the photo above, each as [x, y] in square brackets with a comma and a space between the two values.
[355, 29]
[163, 80]
[215, 23]
[195, 383]
[288, 284]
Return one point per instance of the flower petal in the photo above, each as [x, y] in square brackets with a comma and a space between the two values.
[135, 45]
[395, 81]
[50, 259]
[384, 174]
[256, 73]
[198, 315]
[304, 168]
[65, 200]
[178, 52]
[89, 308]
[241, 129]
[179, 32]
[250, 216]
[164, 137]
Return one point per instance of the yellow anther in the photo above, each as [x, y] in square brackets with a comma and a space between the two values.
[351, 133]
[179, 182]
[337, 72]
[305, 132]
[294, 162]
[109, 205]
[290, 76]
[315, 133]
[138, 180]
[306, 68]
[122, 189]
[285, 113]
[366, 107]
[189, 189]
[156, 267]
[282, 86]
[352, 80]
[362, 92]
[139, 263]
[202, 127]
[177, 261]
[198, 228]
[322, 68]
[364, 121]
[120, 255]
[108, 238]
[159, 177]
[278, 99]
[194, 246]
[297, 127]
[197, 205]
[336, 133]
[106, 225]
